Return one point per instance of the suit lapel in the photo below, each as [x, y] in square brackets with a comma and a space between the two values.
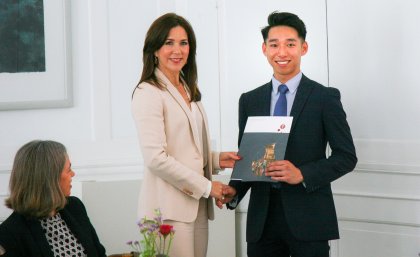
[178, 98]
[203, 113]
[206, 140]
[266, 98]
[260, 101]
[302, 94]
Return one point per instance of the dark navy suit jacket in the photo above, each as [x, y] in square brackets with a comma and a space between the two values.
[21, 236]
[318, 119]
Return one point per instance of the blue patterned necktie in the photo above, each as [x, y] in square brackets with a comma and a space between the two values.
[281, 105]
[280, 110]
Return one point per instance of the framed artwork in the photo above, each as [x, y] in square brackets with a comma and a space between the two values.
[35, 50]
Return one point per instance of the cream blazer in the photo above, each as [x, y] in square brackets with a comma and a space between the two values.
[174, 176]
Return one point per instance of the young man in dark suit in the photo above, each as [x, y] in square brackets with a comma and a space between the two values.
[295, 217]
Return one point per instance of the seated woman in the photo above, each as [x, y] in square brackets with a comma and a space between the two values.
[46, 220]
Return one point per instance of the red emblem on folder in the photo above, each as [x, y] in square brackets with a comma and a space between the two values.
[282, 126]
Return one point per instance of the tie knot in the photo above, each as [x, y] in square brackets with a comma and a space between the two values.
[283, 89]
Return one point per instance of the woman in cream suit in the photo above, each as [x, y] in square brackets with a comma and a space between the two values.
[174, 138]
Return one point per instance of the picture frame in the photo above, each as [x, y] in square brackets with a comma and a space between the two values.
[51, 88]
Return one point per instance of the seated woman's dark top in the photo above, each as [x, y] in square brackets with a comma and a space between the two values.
[23, 236]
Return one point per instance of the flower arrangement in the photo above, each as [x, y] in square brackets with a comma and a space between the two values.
[157, 237]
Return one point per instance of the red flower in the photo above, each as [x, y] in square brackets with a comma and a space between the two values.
[165, 229]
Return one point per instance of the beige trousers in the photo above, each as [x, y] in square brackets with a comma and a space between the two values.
[191, 239]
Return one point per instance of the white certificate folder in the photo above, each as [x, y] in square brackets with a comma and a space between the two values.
[264, 140]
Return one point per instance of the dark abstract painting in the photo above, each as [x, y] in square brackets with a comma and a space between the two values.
[22, 41]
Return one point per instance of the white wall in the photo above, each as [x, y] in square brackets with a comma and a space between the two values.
[372, 61]
[367, 49]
